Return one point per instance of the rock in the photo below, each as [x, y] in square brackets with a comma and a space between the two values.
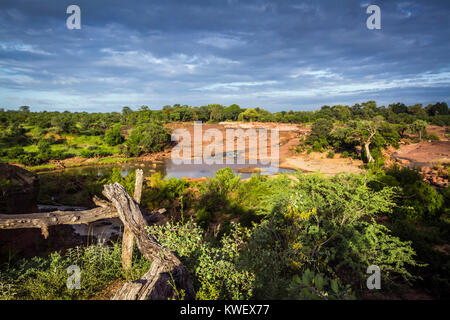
[426, 170]
[19, 190]
[162, 211]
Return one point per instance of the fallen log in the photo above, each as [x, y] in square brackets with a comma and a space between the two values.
[44, 220]
[167, 278]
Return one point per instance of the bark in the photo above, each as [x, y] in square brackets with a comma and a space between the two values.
[167, 277]
[369, 156]
[128, 237]
[46, 219]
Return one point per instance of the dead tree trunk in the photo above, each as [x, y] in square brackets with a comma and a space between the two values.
[128, 237]
[167, 277]
[47, 219]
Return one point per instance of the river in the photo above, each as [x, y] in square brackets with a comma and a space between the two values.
[168, 168]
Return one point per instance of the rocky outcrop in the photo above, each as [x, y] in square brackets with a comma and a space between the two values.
[19, 190]
[435, 177]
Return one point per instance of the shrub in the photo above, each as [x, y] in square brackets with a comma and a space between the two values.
[432, 137]
[46, 278]
[15, 152]
[317, 147]
[149, 138]
[113, 136]
[215, 268]
[415, 199]
[330, 154]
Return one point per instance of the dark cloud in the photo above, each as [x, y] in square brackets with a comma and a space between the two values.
[273, 54]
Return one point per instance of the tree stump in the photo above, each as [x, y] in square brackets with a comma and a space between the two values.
[167, 278]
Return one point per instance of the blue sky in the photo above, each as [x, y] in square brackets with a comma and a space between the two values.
[277, 54]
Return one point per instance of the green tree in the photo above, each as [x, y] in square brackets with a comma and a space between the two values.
[418, 127]
[364, 132]
[113, 136]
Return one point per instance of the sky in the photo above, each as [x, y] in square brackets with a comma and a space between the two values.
[273, 54]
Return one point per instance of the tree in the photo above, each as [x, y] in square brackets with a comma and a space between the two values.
[149, 138]
[419, 127]
[216, 112]
[113, 136]
[322, 128]
[364, 132]
[249, 115]
[232, 112]
[126, 111]
[440, 108]
[398, 108]
[24, 109]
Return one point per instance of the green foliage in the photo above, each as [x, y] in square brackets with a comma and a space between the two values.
[113, 136]
[128, 181]
[418, 127]
[46, 278]
[214, 193]
[415, 199]
[426, 238]
[330, 154]
[146, 139]
[320, 132]
[313, 286]
[322, 221]
[169, 193]
[94, 152]
[214, 267]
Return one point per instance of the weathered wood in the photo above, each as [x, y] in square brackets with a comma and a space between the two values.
[128, 237]
[44, 220]
[138, 185]
[167, 277]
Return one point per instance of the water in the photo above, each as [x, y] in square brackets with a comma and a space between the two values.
[169, 169]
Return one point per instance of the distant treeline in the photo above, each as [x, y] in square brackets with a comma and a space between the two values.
[97, 123]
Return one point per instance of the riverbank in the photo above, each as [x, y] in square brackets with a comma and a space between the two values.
[290, 136]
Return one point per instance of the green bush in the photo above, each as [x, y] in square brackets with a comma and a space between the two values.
[215, 268]
[330, 155]
[113, 136]
[46, 278]
[415, 199]
[15, 152]
[432, 137]
[146, 139]
[317, 147]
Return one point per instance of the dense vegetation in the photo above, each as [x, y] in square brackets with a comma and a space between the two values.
[34, 138]
[296, 236]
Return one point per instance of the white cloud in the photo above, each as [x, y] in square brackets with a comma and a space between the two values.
[234, 86]
[9, 46]
[307, 72]
[175, 64]
[221, 41]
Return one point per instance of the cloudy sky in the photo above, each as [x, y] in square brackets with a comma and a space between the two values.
[275, 54]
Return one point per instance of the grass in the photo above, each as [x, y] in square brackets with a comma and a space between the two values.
[43, 167]
[46, 278]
